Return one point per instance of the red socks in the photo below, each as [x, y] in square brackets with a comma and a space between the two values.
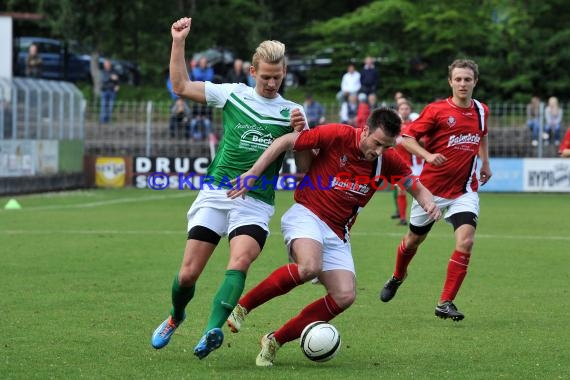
[280, 282]
[403, 258]
[402, 202]
[323, 309]
[456, 271]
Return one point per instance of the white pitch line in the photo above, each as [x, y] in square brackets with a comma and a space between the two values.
[107, 202]
[183, 232]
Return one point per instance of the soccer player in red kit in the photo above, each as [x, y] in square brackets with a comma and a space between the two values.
[564, 149]
[456, 128]
[341, 180]
[414, 162]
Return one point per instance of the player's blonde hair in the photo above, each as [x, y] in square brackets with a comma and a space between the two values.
[270, 51]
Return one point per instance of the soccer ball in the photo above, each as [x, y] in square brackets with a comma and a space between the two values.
[320, 341]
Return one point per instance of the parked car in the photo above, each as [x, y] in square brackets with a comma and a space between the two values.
[299, 66]
[220, 59]
[61, 61]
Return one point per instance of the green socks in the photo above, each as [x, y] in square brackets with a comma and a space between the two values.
[226, 298]
[180, 298]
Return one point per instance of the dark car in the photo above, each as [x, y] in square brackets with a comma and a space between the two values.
[61, 61]
[220, 59]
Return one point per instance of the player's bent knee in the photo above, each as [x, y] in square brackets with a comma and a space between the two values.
[344, 299]
[254, 231]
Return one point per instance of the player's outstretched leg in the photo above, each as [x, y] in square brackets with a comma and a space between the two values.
[269, 347]
[163, 333]
[236, 318]
[448, 310]
[211, 340]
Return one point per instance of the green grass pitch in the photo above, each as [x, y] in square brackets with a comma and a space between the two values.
[85, 278]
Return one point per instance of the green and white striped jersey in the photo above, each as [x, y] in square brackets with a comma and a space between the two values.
[250, 123]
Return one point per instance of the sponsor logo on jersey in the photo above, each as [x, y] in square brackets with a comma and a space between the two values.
[353, 185]
[343, 160]
[451, 121]
[469, 138]
[255, 140]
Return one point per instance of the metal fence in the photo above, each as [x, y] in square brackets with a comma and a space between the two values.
[40, 109]
[142, 128]
[33, 109]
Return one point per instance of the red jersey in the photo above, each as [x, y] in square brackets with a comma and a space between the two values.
[456, 133]
[565, 144]
[340, 181]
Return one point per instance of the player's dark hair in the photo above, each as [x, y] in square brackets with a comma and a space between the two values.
[464, 64]
[385, 118]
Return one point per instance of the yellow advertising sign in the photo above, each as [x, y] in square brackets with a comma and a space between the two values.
[110, 172]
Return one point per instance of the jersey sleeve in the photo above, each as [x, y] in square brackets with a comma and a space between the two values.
[218, 94]
[319, 137]
[422, 125]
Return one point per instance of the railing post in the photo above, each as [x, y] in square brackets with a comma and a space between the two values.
[540, 128]
[148, 127]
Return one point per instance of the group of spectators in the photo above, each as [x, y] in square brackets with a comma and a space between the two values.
[195, 120]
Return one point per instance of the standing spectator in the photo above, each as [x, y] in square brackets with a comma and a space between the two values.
[373, 101]
[533, 118]
[202, 72]
[369, 77]
[457, 130]
[350, 84]
[363, 110]
[201, 124]
[180, 118]
[33, 62]
[250, 79]
[349, 110]
[314, 111]
[564, 149]
[553, 120]
[109, 90]
[236, 75]
[252, 118]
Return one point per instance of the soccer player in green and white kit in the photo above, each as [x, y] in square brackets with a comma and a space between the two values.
[252, 119]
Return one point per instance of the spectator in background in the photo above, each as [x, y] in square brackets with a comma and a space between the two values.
[109, 90]
[180, 118]
[201, 123]
[373, 101]
[397, 96]
[533, 118]
[33, 62]
[368, 77]
[348, 110]
[564, 149]
[350, 84]
[236, 75]
[553, 119]
[314, 111]
[250, 80]
[363, 110]
[202, 72]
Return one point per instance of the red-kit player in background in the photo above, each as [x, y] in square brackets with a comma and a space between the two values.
[316, 228]
[564, 149]
[414, 162]
[456, 131]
